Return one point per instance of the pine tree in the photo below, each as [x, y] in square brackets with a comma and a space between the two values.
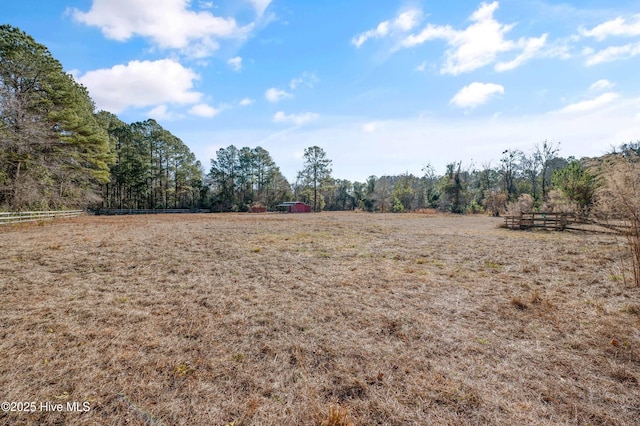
[54, 152]
[316, 172]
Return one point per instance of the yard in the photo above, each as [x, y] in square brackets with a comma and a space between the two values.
[295, 319]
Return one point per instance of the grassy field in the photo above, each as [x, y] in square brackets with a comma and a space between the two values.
[317, 319]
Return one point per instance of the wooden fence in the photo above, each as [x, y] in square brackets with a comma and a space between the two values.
[551, 221]
[17, 217]
[562, 222]
[111, 212]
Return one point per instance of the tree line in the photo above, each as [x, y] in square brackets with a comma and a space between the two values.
[57, 152]
[152, 168]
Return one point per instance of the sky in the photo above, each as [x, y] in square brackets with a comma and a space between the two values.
[383, 86]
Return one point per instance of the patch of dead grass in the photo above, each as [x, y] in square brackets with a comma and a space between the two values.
[331, 318]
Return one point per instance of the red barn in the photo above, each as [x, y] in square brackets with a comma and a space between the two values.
[294, 207]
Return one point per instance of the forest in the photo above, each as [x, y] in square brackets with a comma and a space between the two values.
[59, 152]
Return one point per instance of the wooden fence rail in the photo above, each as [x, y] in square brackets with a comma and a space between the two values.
[551, 221]
[17, 217]
[99, 212]
[563, 222]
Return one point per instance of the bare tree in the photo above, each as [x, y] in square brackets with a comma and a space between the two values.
[544, 156]
[619, 198]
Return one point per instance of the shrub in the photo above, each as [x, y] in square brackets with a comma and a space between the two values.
[495, 202]
[524, 204]
[475, 208]
[557, 202]
[398, 207]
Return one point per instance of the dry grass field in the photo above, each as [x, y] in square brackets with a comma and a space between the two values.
[317, 319]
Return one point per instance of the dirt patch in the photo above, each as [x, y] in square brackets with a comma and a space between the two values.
[301, 319]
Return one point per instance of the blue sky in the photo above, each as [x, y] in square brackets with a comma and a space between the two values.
[384, 87]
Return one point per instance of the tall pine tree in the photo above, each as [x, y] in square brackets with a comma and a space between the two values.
[54, 152]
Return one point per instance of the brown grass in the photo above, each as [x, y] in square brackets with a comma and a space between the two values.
[319, 319]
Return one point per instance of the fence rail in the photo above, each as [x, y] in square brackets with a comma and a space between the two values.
[563, 222]
[17, 217]
[145, 211]
[552, 221]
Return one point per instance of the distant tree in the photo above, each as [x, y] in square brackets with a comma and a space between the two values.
[484, 182]
[509, 170]
[224, 173]
[366, 194]
[359, 194]
[454, 188]
[152, 168]
[531, 165]
[277, 188]
[316, 172]
[403, 193]
[577, 183]
[340, 195]
[246, 177]
[430, 178]
[383, 192]
[243, 177]
[264, 170]
[544, 156]
[630, 150]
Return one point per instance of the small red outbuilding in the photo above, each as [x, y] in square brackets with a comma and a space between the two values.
[294, 207]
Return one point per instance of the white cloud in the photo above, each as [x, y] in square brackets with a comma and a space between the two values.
[601, 85]
[612, 53]
[246, 102]
[370, 127]
[168, 23]
[422, 67]
[588, 51]
[405, 21]
[260, 6]
[614, 27]
[531, 46]
[476, 94]
[298, 119]
[141, 84]
[204, 110]
[430, 32]
[477, 45]
[591, 104]
[276, 95]
[380, 31]
[307, 79]
[235, 63]
[161, 113]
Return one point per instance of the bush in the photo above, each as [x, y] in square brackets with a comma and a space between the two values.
[495, 202]
[398, 207]
[524, 204]
[557, 202]
[475, 208]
